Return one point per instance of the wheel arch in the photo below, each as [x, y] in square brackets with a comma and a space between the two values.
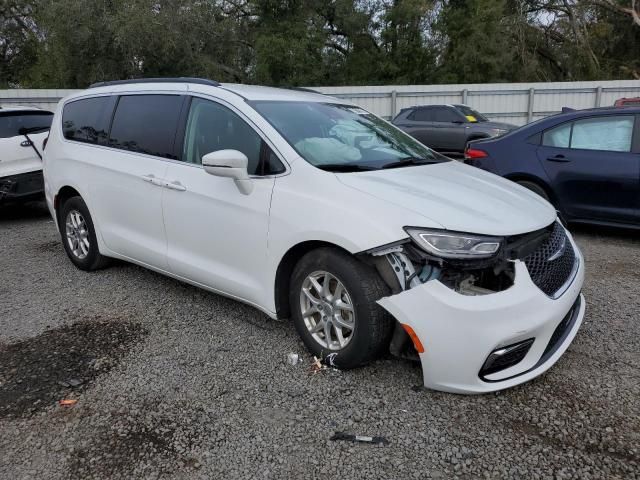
[64, 193]
[527, 177]
[285, 269]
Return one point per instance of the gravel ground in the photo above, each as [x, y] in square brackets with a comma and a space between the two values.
[175, 382]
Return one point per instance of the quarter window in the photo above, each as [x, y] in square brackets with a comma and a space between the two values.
[146, 124]
[558, 136]
[212, 127]
[88, 120]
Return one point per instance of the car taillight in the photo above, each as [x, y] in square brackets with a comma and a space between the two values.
[471, 153]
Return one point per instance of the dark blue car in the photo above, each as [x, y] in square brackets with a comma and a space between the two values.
[585, 162]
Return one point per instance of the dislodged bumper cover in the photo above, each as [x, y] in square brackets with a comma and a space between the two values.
[458, 332]
[21, 186]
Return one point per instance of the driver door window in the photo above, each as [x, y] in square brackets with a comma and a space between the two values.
[212, 127]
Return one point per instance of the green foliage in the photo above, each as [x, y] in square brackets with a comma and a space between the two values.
[72, 43]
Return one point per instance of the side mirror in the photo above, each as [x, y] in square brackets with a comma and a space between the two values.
[229, 164]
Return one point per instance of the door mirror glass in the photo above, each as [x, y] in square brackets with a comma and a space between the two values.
[229, 164]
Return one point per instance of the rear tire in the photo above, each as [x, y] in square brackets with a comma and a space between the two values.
[348, 304]
[79, 236]
[535, 188]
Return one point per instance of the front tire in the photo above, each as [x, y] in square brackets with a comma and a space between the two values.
[333, 303]
[79, 236]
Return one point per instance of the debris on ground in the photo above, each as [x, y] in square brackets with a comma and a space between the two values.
[359, 438]
[293, 359]
[317, 366]
[330, 360]
[70, 383]
[68, 402]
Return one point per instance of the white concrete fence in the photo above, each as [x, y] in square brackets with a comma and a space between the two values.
[517, 103]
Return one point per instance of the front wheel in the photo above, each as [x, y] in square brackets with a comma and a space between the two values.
[333, 303]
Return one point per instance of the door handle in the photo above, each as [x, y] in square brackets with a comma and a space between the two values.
[558, 158]
[26, 143]
[151, 178]
[175, 185]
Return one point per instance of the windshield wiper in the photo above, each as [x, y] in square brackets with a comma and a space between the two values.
[344, 167]
[409, 162]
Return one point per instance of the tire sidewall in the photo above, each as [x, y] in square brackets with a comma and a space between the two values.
[535, 188]
[93, 257]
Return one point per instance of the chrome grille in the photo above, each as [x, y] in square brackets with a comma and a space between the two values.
[551, 265]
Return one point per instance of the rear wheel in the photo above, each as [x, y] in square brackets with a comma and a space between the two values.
[79, 236]
[333, 304]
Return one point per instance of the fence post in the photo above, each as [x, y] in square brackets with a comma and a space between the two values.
[465, 94]
[394, 103]
[532, 93]
[598, 96]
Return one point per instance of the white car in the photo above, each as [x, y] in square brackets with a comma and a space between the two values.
[22, 133]
[309, 207]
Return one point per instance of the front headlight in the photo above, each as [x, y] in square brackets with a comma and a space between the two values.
[454, 245]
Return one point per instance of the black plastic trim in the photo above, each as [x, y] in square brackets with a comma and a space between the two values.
[22, 186]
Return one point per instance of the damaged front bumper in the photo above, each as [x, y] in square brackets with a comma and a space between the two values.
[463, 334]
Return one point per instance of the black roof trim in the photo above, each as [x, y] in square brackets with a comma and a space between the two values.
[200, 81]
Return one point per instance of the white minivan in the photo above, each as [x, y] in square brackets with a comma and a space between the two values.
[311, 208]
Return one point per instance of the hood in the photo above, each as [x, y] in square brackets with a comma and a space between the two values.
[458, 197]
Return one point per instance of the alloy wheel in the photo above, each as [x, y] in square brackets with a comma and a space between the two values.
[327, 310]
[77, 234]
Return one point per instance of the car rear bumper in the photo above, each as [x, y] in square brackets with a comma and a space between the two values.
[460, 333]
[22, 187]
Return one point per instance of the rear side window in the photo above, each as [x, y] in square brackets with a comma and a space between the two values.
[88, 120]
[610, 133]
[445, 114]
[146, 124]
[422, 115]
[11, 123]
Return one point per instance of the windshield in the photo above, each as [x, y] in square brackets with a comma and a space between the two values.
[470, 112]
[343, 137]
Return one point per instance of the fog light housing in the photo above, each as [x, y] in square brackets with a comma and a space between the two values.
[505, 357]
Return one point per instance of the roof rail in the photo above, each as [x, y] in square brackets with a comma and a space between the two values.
[200, 81]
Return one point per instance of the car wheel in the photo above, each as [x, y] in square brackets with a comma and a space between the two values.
[79, 235]
[333, 303]
[535, 188]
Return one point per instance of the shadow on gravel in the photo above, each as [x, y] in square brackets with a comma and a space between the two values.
[23, 211]
[37, 372]
[618, 233]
